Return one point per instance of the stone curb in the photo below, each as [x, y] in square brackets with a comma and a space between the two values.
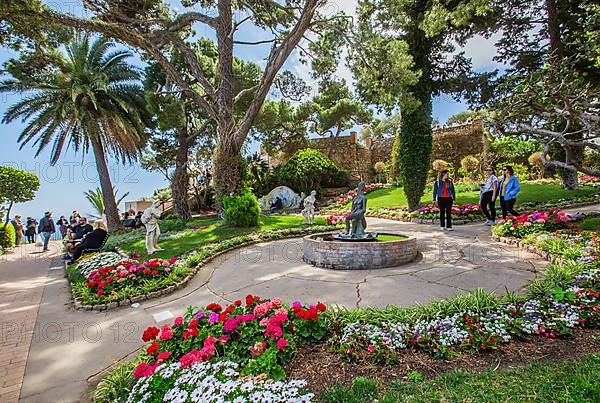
[78, 304]
[529, 248]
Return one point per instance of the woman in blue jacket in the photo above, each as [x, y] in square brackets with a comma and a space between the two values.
[509, 189]
[443, 191]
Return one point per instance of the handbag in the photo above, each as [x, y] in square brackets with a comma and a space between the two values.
[39, 241]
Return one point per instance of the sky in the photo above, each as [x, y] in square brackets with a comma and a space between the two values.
[63, 185]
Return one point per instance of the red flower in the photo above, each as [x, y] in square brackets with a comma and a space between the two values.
[178, 321]
[150, 333]
[163, 356]
[143, 370]
[214, 307]
[152, 348]
[237, 302]
[154, 272]
[250, 300]
[320, 307]
[100, 291]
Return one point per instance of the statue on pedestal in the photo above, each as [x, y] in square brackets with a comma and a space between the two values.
[356, 219]
[309, 207]
[150, 220]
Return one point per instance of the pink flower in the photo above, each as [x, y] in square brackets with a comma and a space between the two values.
[371, 348]
[213, 318]
[143, 370]
[230, 325]
[281, 344]
[178, 321]
[166, 333]
[163, 356]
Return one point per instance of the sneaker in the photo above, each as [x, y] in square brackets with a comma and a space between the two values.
[489, 222]
[442, 228]
[449, 229]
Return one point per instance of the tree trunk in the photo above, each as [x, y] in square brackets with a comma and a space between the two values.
[556, 46]
[8, 213]
[228, 171]
[180, 180]
[569, 178]
[111, 211]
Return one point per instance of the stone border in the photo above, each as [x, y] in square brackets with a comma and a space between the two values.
[350, 256]
[79, 306]
[427, 221]
[529, 248]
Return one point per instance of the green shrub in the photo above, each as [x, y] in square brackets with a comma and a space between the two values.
[7, 236]
[242, 210]
[310, 169]
[521, 171]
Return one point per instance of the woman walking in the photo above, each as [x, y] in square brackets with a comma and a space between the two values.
[443, 191]
[30, 231]
[63, 225]
[509, 190]
[489, 191]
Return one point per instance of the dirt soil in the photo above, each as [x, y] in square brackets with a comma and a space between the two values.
[323, 369]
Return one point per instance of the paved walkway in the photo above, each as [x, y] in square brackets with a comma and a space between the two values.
[71, 349]
[22, 278]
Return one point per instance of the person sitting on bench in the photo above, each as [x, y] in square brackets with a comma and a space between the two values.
[91, 241]
[276, 205]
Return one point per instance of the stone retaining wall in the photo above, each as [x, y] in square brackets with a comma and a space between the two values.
[345, 255]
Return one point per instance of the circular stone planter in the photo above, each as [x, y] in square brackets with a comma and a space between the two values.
[321, 251]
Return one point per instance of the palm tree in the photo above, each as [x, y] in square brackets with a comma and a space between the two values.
[89, 98]
[96, 199]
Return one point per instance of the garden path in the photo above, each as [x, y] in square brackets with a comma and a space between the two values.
[23, 272]
[71, 349]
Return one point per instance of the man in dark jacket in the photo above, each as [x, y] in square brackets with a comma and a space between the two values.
[47, 228]
[91, 241]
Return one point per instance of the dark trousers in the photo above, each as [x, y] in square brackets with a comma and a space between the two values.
[445, 205]
[488, 206]
[508, 206]
[31, 238]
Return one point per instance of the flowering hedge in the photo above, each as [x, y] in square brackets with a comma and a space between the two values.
[581, 246]
[552, 316]
[589, 180]
[460, 210]
[260, 335]
[530, 223]
[126, 273]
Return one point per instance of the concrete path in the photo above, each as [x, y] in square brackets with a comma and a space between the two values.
[23, 273]
[70, 350]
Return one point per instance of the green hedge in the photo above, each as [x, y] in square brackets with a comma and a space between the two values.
[310, 169]
[242, 210]
[7, 236]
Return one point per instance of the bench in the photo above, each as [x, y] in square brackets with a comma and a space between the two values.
[98, 249]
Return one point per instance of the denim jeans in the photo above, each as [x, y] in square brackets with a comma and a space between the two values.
[46, 236]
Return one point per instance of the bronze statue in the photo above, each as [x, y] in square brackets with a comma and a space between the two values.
[357, 213]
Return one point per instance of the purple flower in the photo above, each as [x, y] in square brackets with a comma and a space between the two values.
[297, 304]
[213, 318]
[200, 315]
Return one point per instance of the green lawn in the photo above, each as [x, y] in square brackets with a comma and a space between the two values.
[181, 237]
[394, 197]
[565, 382]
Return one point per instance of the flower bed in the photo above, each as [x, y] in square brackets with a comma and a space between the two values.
[87, 263]
[255, 336]
[153, 286]
[461, 213]
[552, 316]
[348, 197]
[530, 223]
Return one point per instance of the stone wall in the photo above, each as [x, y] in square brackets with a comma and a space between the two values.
[452, 144]
[449, 143]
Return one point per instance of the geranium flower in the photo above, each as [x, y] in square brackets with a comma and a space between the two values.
[150, 333]
[152, 348]
[163, 356]
[178, 321]
[143, 370]
[166, 333]
[282, 344]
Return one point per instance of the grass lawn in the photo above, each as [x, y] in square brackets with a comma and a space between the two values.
[591, 224]
[565, 382]
[394, 197]
[180, 237]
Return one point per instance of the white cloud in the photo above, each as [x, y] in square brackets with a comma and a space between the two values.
[481, 51]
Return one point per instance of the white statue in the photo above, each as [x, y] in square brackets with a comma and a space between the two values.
[309, 207]
[150, 220]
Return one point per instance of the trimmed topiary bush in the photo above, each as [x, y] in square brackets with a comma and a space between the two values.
[242, 210]
[7, 236]
[310, 169]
